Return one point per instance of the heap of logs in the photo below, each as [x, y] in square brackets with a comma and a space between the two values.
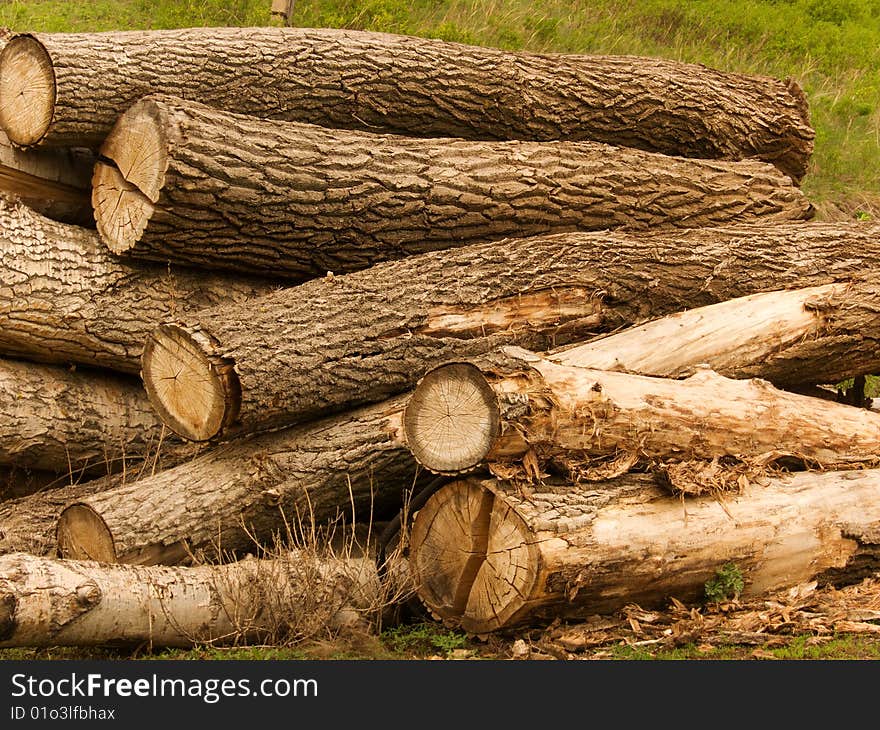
[567, 341]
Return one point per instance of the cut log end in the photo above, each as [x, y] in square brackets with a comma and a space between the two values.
[472, 558]
[195, 392]
[129, 175]
[27, 91]
[82, 535]
[452, 419]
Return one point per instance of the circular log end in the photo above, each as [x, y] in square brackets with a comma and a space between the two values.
[195, 392]
[81, 534]
[129, 175]
[473, 557]
[27, 90]
[452, 419]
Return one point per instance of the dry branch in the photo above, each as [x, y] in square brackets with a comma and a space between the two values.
[183, 182]
[69, 88]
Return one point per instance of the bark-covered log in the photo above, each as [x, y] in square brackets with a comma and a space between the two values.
[65, 298]
[488, 556]
[27, 524]
[56, 183]
[183, 182]
[49, 602]
[463, 415]
[344, 340]
[248, 490]
[80, 422]
[68, 89]
[822, 334]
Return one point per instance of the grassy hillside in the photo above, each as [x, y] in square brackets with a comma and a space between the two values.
[832, 47]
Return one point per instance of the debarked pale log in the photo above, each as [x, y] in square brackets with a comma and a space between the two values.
[463, 415]
[183, 182]
[339, 341]
[487, 555]
[248, 492]
[50, 602]
[65, 298]
[69, 88]
[80, 422]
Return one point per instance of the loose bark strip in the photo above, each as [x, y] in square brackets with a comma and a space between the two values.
[822, 334]
[343, 340]
[48, 602]
[462, 415]
[248, 491]
[64, 298]
[487, 556]
[183, 182]
[69, 88]
[55, 183]
[80, 422]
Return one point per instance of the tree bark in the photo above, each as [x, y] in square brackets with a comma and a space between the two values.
[823, 334]
[65, 298]
[183, 182]
[69, 89]
[487, 556]
[48, 602]
[340, 341]
[57, 183]
[27, 524]
[248, 492]
[80, 422]
[517, 405]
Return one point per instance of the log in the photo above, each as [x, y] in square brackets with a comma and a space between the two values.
[344, 340]
[463, 415]
[822, 334]
[64, 298]
[80, 422]
[57, 183]
[49, 602]
[183, 182]
[487, 556]
[27, 523]
[69, 88]
[248, 492]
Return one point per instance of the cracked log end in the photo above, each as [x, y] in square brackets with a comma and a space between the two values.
[27, 91]
[452, 419]
[194, 391]
[81, 534]
[129, 175]
[473, 558]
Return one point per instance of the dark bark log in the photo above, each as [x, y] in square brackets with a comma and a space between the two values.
[69, 88]
[488, 556]
[80, 422]
[339, 341]
[515, 404]
[248, 492]
[183, 182]
[64, 298]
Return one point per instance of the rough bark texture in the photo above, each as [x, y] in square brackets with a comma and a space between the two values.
[823, 334]
[80, 421]
[48, 602]
[56, 183]
[248, 490]
[563, 412]
[487, 556]
[65, 298]
[187, 183]
[27, 524]
[353, 79]
[365, 336]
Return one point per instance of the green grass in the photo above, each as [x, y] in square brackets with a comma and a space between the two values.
[832, 47]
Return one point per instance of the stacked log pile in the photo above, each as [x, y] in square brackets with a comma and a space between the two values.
[560, 319]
